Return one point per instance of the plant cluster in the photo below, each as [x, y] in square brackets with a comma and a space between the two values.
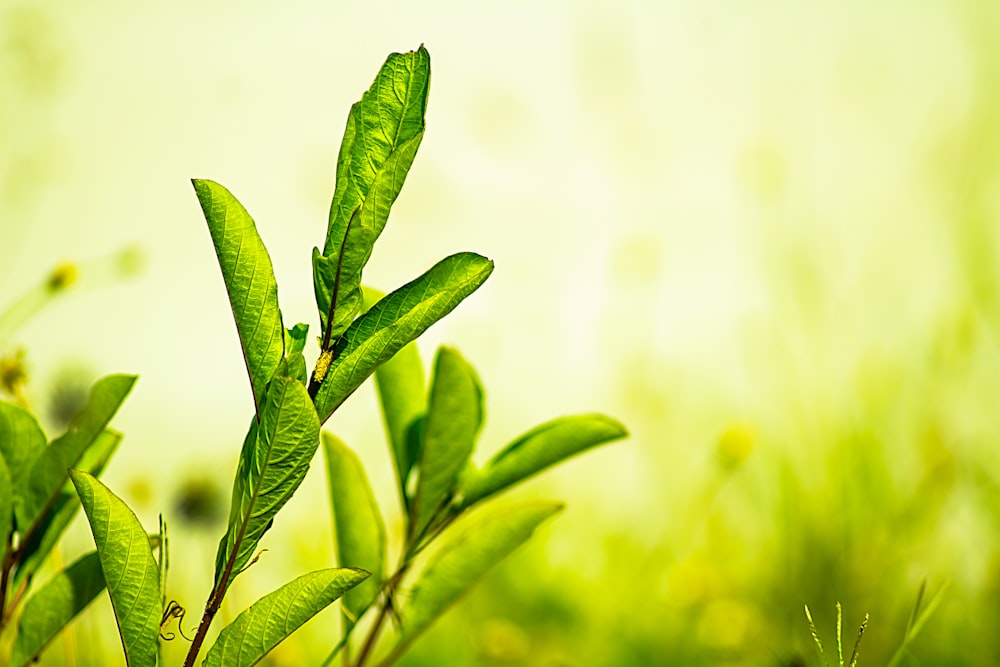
[432, 431]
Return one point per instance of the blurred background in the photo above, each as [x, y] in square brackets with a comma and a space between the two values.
[761, 235]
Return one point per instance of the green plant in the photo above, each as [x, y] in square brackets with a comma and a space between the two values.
[432, 437]
[37, 502]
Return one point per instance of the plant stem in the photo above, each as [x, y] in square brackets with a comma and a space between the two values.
[211, 609]
[383, 612]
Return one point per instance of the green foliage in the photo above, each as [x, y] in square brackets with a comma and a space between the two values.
[273, 463]
[432, 433]
[360, 531]
[249, 277]
[271, 619]
[131, 572]
[54, 605]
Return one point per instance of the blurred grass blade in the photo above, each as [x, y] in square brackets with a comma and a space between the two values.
[536, 450]
[466, 558]
[21, 442]
[129, 568]
[268, 621]
[400, 385]
[396, 320]
[49, 610]
[273, 463]
[383, 132]
[249, 277]
[6, 508]
[360, 531]
[49, 471]
[918, 618]
[454, 416]
[64, 508]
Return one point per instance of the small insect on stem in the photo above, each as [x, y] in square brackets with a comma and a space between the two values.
[322, 366]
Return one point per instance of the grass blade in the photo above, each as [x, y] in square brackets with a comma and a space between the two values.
[249, 277]
[268, 621]
[131, 572]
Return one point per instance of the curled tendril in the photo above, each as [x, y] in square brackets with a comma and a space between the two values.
[173, 610]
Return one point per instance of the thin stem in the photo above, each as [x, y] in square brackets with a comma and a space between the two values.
[387, 591]
[211, 609]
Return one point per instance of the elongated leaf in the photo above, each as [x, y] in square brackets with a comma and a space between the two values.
[400, 384]
[268, 621]
[65, 507]
[360, 531]
[56, 604]
[273, 462]
[249, 277]
[538, 449]
[6, 507]
[49, 471]
[131, 572]
[21, 442]
[467, 557]
[395, 321]
[454, 415]
[384, 130]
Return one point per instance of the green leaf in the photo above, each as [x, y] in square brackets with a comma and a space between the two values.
[50, 469]
[269, 620]
[360, 531]
[6, 507]
[21, 442]
[400, 384]
[129, 568]
[538, 449]
[273, 462]
[469, 555]
[49, 610]
[249, 277]
[65, 507]
[454, 415]
[383, 132]
[395, 321]
[294, 364]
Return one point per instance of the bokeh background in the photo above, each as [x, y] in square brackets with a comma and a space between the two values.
[760, 234]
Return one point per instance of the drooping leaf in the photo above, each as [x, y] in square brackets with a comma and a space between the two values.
[400, 384]
[249, 277]
[6, 507]
[465, 559]
[383, 133]
[268, 621]
[360, 531]
[396, 320]
[131, 572]
[538, 449]
[65, 507]
[21, 442]
[49, 471]
[294, 364]
[454, 415]
[274, 460]
[49, 610]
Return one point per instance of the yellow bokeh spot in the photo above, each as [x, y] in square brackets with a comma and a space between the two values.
[734, 446]
[62, 276]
